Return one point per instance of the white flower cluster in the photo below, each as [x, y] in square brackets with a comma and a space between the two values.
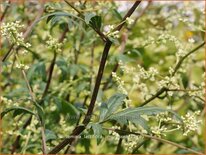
[8, 102]
[170, 83]
[11, 31]
[191, 123]
[130, 142]
[115, 136]
[125, 68]
[120, 83]
[150, 74]
[159, 131]
[129, 20]
[53, 44]
[22, 66]
[180, 49]
[110, 31]
[65, 126]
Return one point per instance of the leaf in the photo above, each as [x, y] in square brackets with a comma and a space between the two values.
[37, 70]
[88, 17]
[96, 22]
[142, 122]
[40, 112]
[17, 111]
[117, 14]
[50, 18]
[111, 106]
[114, 102]
[97, 129]
[50, 135]
[134, 115]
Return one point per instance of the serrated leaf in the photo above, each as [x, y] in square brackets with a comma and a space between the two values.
[134, 115]
[103, 111]
[142, 122]
[97, 129]
[111, 106]
[18, 109]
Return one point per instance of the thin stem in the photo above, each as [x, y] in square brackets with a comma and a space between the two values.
[34, 99]
[5, 11]
[183, 58]
[155, 138]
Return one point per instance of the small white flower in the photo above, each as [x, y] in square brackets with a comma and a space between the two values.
[191, 40]
[53, 44]
[129, 21]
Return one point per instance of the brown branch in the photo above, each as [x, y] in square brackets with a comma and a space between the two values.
[115, 68]
[78, 130]
[5, 11]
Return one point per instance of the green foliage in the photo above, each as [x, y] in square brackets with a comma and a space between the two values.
[152, 83]
[17, 111]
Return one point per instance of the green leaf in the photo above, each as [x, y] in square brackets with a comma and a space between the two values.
[117, 14]
[50, 135]
[17, 111]
[96, 22]
[37, 70]
[97, 129]
[142, 122]
[111, 106]
[134, 115]
[88, 17]
[40, 113]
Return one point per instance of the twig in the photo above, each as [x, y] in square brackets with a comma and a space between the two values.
[162, 90]
[102, 36]
[155, 138]
[28, 121]
[78, 130]
[5, 11]
[34, 99]
[183, 58]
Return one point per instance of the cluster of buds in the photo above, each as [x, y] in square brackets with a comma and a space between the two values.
[11, 31]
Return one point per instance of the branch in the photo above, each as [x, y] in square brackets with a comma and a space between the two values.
[79, 129]
[183, 58]
[162, 90]
[102, 36]
[34, 99]
[155, 138]
[5, 11]
[116, 66]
